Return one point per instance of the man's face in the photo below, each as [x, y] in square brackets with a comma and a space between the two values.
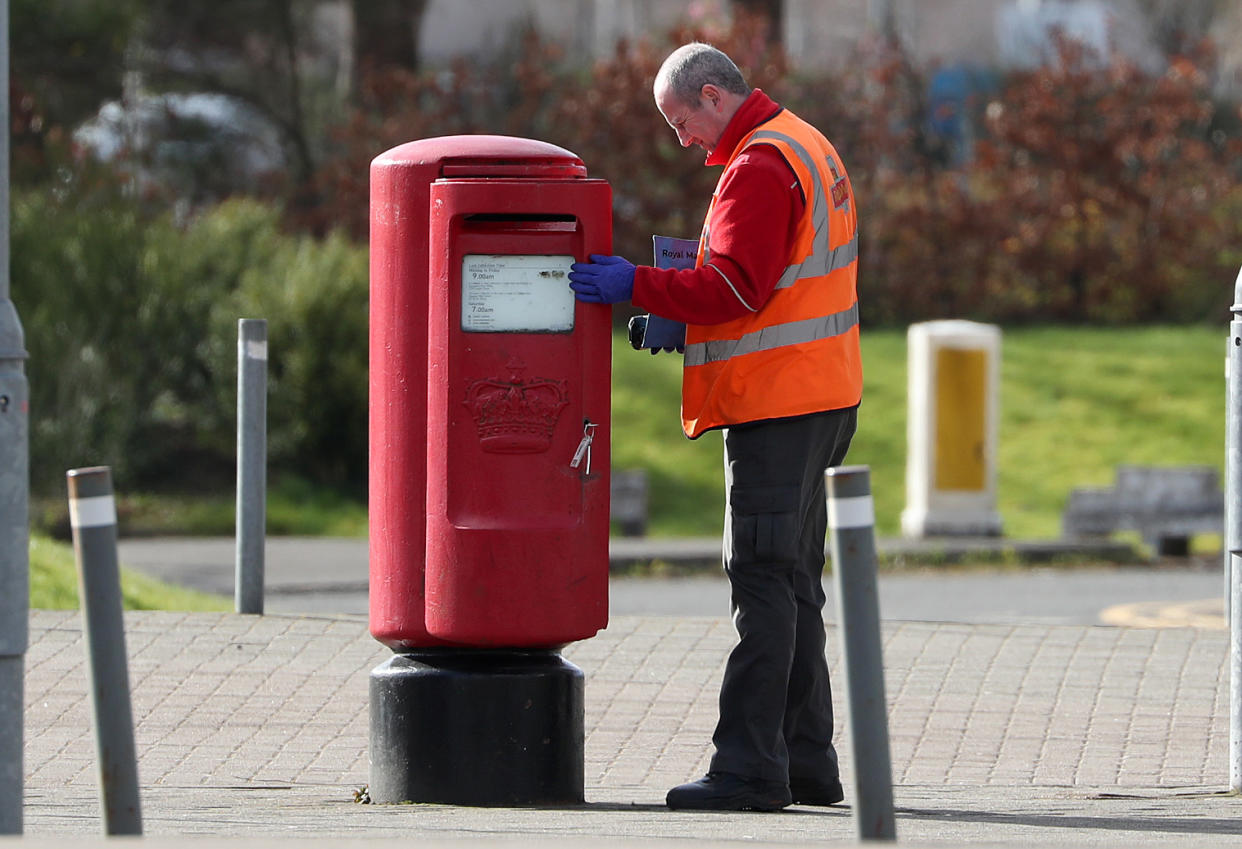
[701, 125]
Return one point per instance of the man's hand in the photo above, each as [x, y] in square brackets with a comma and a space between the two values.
[603, 280]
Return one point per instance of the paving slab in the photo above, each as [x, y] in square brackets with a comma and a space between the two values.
[255, 728]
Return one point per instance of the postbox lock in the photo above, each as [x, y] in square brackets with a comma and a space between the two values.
[584, 446]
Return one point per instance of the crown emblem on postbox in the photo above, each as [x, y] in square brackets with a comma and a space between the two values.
[517, 415]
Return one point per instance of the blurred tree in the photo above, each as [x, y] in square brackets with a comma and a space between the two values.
[1180, 26]
[1099, 193]
[1108, 181]
[251, 50]
[603, 113]
[293, 62]
[769, 13]
[386, 33]
[66, 57]
[70, 53]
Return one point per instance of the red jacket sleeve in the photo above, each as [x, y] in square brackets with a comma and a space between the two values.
[758, 206]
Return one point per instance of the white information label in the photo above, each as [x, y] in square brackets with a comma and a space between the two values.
[516, 294]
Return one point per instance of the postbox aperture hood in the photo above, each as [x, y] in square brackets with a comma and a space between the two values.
[486, 156]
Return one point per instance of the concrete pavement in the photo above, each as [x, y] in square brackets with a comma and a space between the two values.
[256, 727]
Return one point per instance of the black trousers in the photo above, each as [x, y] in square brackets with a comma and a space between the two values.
[776, 700]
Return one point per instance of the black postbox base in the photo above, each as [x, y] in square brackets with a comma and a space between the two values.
[476, 727]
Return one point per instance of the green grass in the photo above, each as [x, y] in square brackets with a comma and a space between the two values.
[294, 508]
[1078, 403]
[1075, 402]
[684, 477]
[54, 584]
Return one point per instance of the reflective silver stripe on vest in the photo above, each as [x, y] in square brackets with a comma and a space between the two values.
[775, 336]
[822, 260]
[818, 265]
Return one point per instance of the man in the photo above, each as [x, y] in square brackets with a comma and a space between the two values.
[772, 358]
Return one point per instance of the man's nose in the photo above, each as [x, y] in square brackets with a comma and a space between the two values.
[684, 137]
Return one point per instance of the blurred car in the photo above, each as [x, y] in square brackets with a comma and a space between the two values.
[201, 146]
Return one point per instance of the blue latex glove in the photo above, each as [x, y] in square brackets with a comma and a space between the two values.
[603, 280]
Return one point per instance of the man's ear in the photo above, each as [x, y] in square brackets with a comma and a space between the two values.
[711, 94]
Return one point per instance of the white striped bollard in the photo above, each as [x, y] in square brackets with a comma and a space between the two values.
[251, 519]
[92, 515]
[851, 523]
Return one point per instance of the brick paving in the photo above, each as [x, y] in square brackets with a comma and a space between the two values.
[258, 726]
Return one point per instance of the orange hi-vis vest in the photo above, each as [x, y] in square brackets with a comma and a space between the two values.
[798, 353]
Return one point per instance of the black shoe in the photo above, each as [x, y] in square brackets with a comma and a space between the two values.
[812, 791]
[724, 791]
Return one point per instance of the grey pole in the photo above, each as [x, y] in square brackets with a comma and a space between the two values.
[92, 516]
[851, 522]
[882, 18]
[1233, 535]
[1233, 441]
[1235, 678]
[251, 462]
[14, 498]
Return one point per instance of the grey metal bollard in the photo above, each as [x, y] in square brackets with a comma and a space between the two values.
[628, 504]
[92, 515]
[251, 463]
[851, 522]
[12, 688]
[1233, 535]
[14, 572]
[1233, 441]
[14, 500]
[1235, 673]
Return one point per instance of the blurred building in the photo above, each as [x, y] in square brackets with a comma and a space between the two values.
[820, 34]
[209, 143]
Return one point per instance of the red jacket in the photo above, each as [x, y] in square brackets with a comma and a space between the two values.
[753, 224]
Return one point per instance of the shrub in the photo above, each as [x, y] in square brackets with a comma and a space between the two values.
[603, 113]
[1099, 192]
[130, 321]
[313, 294]
[1106, 181]
[106, 325]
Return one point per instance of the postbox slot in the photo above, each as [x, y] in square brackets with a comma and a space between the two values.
[494, 169]
[496, 222]
[498, 216]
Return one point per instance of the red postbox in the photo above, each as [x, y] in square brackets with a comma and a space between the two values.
[471, 238]
[490, 416]
[518, 414]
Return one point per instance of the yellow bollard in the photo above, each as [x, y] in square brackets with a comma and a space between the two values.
[953, 407]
